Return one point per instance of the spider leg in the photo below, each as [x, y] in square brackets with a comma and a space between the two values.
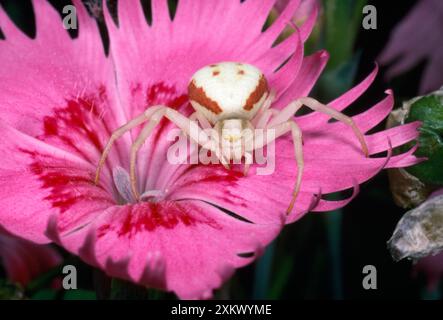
[269, 100]
[286, 113]
[262, 120]
[317, 106]
[248, 161]
[279, 130]
[282, 124]
[263, 110]
[189, 127]
[298, 150]
[120, 132]
[204, 123]
[247, 144]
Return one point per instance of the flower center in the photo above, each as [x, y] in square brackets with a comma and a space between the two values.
[122, 183]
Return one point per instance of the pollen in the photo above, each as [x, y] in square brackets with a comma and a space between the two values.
[240, 72]
[215, 73]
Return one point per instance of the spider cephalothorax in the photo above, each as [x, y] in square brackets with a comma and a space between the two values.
[233, 99]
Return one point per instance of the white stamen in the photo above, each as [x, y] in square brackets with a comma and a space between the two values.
[123, 184]
[153, 195]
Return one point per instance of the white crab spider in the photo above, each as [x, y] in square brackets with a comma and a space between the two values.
[229, 97]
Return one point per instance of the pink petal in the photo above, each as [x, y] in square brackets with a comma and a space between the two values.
[371, 117]
[61, 91]
[39, 180]
[432, 267]
[397, 136]
[173, 239]
[170, 58]
[306, 78]
[281, 80]
[279, 53]
[308, 25]
[210, 216]
[415, 40]
[431, 79]
[282, 21]
[313, 120]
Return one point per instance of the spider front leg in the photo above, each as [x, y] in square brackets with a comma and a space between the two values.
[120, 132]
[153, 115]
[188, 126]
[314, 105]
[280, 130]
[197, 116]
[280, 122]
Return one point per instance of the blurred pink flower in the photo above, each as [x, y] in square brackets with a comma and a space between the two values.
[432, 267]
[24, 260]
[61, 98]
[415, 39]
[304, 11]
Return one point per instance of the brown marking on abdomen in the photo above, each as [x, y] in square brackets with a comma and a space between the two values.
[258, 93]
[198, 95]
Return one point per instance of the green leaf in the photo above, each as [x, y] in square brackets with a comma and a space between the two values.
[429, 110]
[43, 280]
[79, 295]
[335, 82]
[343, 19]
[285, 267]
[10, 291]
[45, 294]
[125, 290]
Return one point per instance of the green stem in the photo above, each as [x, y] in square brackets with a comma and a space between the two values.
[262, 275]
[124, 290]
[333, 228]
[431, 295]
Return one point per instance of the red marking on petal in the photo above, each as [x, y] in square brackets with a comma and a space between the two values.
[66, 185]
[232, 196]
[103, 229]
[159, 94]
[51, 127]
[222, 177]
[216, 174]
[135, 89]
[231, 177]
[79, 124]
[149, 216]
[167, 95]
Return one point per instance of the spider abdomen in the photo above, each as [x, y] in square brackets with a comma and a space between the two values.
[228, 90]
